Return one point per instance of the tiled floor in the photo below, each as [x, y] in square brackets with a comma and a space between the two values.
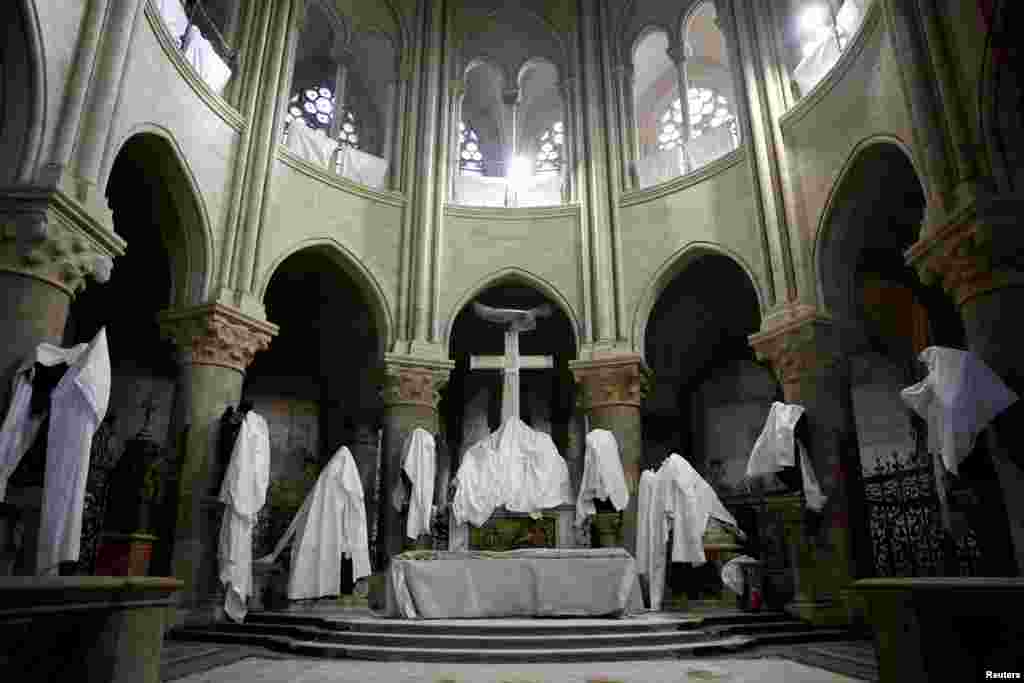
[748, 670]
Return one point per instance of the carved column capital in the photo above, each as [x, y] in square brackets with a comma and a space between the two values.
[215, 334]
[48, 236]
[978, 251]
[510, 96]
[413, 382]
[610, 382]
[804, 344]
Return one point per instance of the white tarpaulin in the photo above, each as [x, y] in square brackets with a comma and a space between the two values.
[77, 407]
[541, 190]
[330, 524]
[713, 144]
[361, 167]
[20, 427]
[824, 54]
[958, 399]
[205, 60]
[689, 502]
[420, 465]
[659, 166]
[516, 467]
[602, 475]
[651, 536]
[244, 491]
[471, 190]
[311, 145]
[776, 447]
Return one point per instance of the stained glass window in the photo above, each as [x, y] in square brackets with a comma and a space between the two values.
[471, 158]
[708, 109]
[551, 147]
[316, 107]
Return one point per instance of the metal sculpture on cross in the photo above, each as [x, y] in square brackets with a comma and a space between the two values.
[515, 322]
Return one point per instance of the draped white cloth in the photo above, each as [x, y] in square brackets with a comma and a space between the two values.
[541, 190]
[776, 447]
[471, 190]
[420, 465]
[732, 573]
[659, 166]
[826, 52]
[958, 398]
[362, 167]
[713, 144]
[516, 467]
[20, 427]
[204, 59]
[330, 524]
[602, 475]
[689, 502]
[244, 491]
[197, 50]
[77, 407]
[311, 145]
[651, 536]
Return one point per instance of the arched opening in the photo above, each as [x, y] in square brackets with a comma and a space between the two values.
[153, 274]
[17, 91]
[471, 403]
[710, 398]
[316, 386]
[889, 316]
[814, 36]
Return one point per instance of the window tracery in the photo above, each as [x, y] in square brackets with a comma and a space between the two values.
[551, 147]
[707, 108]
[316, 107]
[471, 158]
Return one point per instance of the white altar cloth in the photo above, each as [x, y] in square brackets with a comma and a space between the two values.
[518, 583]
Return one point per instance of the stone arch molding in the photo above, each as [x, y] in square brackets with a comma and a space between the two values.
[193, 272]
[351, 266]
[24, 165]
[824, 235]
[667, 272]
[517, 276]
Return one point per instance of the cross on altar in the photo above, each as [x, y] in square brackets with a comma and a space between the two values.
[511, 362]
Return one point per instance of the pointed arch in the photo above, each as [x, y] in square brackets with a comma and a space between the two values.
[22, 91]
[193, 258]
[351, 266]
[667, 272]
[827, 236]
[517, 276]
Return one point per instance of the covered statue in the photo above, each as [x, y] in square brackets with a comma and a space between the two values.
[777, 447]
[603, 477]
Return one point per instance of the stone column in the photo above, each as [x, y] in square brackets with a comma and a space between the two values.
[611, 391]
[387, 149]
[411, 392]
[216, 344]
[805, 353]
[343, 58]
[976, 257]
[677, 54]
[49, 250]
[457, 93]
[627, 101]
[568, 151]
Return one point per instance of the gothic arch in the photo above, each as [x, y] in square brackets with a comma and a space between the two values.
[531, 62]
[481, 59]
[673, 266]
[686, 15]
[516, 276]
[22, 91]
[642, 34]
[191, 249]
[353, 268]
[832, 235]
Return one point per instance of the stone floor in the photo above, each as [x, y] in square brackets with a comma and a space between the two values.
[229, 664]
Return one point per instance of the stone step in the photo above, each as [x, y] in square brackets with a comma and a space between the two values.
[312, 648]
[754, 628]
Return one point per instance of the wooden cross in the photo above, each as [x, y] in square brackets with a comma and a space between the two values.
[510, 363]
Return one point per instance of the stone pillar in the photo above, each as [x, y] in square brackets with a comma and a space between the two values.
[49, 249]
[216, 344]
[457, 93]
[364, 452]
[387, 149]
[976, 257]
[568, 151]
[677, 54]
[411, 392]
[805, 353]
[343, 59]
[612, 390]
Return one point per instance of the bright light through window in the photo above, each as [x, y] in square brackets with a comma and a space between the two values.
[550, 148]
[707, 109]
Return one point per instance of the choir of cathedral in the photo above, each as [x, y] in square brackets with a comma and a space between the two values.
[308, 285]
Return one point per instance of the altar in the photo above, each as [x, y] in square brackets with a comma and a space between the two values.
[541, 582]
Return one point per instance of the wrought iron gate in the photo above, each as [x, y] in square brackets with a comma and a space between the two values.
[904, 518]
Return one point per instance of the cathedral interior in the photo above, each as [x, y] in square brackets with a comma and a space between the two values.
[293, 205]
